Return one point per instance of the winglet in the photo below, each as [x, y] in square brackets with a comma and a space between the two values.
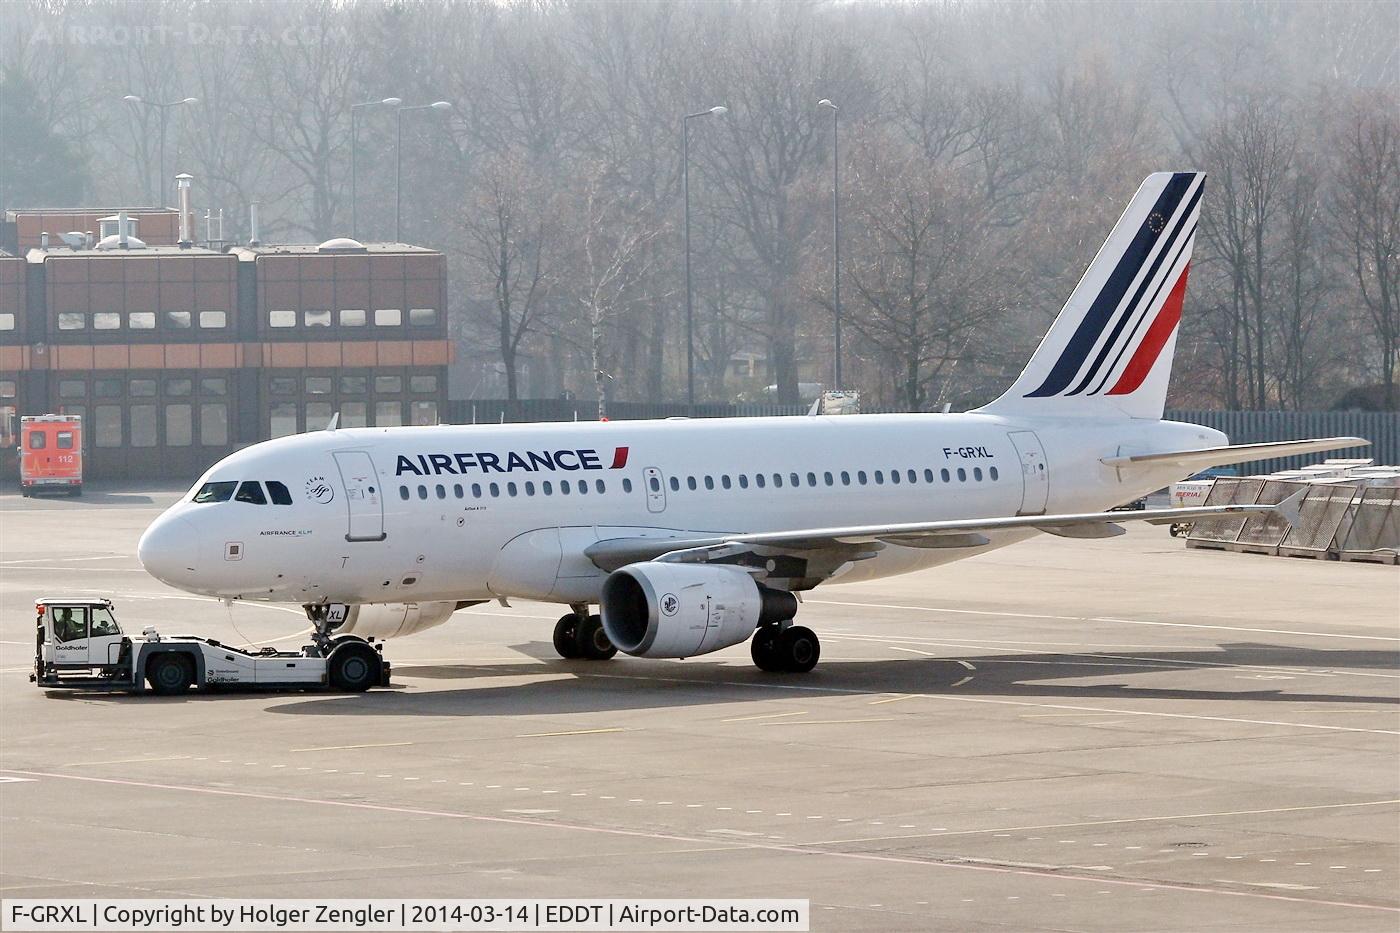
[1292, 507]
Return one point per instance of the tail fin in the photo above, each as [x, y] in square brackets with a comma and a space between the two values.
[1110, 350]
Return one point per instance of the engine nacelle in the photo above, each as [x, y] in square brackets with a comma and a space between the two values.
[393, 620]
[665, 610]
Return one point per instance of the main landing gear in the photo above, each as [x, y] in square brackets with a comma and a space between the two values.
[785, 648]
[580, 635]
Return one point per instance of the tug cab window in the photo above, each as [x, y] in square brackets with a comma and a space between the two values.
[103, 623]
[215, 492]
[70, 623]
[251, 492]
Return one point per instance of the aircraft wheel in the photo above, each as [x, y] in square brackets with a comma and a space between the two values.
[565, 640]
[799, 649]
[169, 674]
[764, 649]
[592, 642]
[353, 667]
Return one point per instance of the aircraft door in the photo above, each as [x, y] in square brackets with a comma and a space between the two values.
[656, 489]
[364, 500]
[1035, 474]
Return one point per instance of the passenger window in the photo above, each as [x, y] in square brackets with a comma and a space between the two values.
[565, 488]
[860, 477]
[962, 475]
[598, 485]
[690, 483]
[529, 488]
[441, 492]
[403, 493]
[830, 480]
[655, 484]
[279, 493]
[743, 481]
[794, 479]
[977, 474]
[547, 487]
[759, 480]
[626, 484]
[943, 474]
[510, 489]
[709, 482]
[215, 492]
[476, 490]
[38, 440]
[457, 490]
[913, 477]
[845, 478]
[894, 477]
[724, 481]
[811, 479]
[928, 476]
[251, 492]
[103, 623]
[583, 487]
[675, 485]
[879, 478]
[495, 490]
[422, 492]
[992, 471]
[777, 481]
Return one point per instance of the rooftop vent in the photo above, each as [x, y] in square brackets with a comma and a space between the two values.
[342, 244]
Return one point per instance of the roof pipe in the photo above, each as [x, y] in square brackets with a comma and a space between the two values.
[182, 183]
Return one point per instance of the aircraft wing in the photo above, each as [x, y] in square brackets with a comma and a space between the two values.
[809, 555]
[1235, 453]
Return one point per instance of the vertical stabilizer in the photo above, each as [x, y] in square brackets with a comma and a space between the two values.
[1109, 353]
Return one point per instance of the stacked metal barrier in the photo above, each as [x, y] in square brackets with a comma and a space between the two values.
[1351, 511]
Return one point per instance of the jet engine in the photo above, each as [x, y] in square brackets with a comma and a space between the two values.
[393, 620]
[665, 610]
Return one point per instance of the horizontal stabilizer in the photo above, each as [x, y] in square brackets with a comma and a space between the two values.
[1235, 453]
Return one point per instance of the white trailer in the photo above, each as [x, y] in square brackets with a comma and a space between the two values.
[79, 646]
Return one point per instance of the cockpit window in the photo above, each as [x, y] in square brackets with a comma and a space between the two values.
[279, 493]
[252, 492]
[215, 492]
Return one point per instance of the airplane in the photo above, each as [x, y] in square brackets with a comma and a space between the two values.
[696, 535]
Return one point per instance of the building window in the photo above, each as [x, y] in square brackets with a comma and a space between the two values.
[352, 317]
[388, 317]
[7, 388]
[179, 425]
[141, 320]
[282, 385]
[353, 385]
[213, 424]
[67, 388]
[7, 321]
[214, 386]
[281, 318]
[316, 317]
[143, 388]
[179, 320]
[388, 414]
[107, 388]
[422, 384]
[318, 385]
[318, 415]
[388, 385]
[108, 426]
[424, 413]
[284, 419]
[422, 316]
[143, 426]
[179, 387]
[352, 415]
[213, 319]
[106, 320]
[71, 320]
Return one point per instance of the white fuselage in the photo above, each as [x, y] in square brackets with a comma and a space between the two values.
[389, 515]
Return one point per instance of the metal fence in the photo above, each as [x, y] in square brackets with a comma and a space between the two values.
[1243, 427]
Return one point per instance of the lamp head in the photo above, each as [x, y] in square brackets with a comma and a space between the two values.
[824, 102]
[190, 100]
[440, 105]
[391, 101]
[132, 98]
[719, 111]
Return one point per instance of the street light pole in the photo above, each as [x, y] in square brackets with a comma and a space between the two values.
[354, 113]
[689, 311]
[163, 108]
[398, 161]
[835, 230]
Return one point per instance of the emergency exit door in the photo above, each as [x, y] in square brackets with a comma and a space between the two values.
[1035, 475]
[656, 489]
[364, 500]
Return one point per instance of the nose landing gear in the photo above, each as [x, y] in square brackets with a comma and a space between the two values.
[785, 648]
[580, 635]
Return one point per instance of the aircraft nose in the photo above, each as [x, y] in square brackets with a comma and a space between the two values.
[169, 548]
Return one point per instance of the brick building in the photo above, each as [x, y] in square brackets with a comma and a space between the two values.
[177, 356]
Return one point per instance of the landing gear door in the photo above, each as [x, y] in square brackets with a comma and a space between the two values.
[363, 498]
[656, 489]
[1035, 474]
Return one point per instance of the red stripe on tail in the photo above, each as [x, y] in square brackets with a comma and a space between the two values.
[1154, 340]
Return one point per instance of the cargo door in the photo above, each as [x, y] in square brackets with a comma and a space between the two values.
[364, 500]
[656, 489]
[1035, 474]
